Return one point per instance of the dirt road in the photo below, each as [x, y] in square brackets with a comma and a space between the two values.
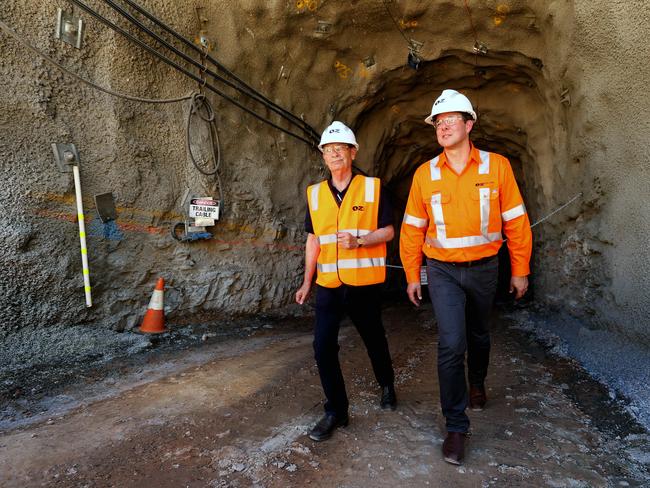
[235, 413]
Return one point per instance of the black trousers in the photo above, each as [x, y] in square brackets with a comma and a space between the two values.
[362, 305]
[462, 300]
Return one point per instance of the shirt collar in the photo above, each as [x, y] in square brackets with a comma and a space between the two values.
[473, 156]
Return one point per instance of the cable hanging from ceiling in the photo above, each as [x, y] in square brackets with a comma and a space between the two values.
[240, 85]
[244, 87]
[310, 138]
[413, 59]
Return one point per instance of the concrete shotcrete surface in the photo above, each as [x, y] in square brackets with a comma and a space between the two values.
[560, 88]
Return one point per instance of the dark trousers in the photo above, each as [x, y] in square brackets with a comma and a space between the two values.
[462, 300]
[362, 304]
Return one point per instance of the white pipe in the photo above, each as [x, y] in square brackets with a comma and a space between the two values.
[82, 235]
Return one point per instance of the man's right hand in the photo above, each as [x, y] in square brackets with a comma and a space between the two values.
[414, 292]
[303, 293]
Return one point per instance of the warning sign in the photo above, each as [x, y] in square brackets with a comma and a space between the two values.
[204, 208]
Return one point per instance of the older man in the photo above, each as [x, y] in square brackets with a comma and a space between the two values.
[458, 206]
[348, 223]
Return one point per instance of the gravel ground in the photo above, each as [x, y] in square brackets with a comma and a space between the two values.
[620, 364]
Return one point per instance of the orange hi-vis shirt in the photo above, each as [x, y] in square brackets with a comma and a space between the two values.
[459, 218]
[358, 215]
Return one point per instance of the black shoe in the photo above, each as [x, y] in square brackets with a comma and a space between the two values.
[453, 448]
[325, 426]
[388, 398]
[477, 398]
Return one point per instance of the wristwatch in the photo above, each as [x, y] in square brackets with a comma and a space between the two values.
[359, 242]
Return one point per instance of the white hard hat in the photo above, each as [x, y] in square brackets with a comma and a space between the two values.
[450, 101]
[337, 132]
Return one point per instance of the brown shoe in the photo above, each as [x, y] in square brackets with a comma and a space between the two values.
[477, 398]
[453, 448]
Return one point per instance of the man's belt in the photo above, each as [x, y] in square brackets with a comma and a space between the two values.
[467, 264]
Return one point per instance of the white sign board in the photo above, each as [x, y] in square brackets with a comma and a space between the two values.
[204, 208]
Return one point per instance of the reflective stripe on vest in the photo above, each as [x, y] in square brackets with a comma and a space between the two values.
[331, 238]
[361, 263]
[357, 267]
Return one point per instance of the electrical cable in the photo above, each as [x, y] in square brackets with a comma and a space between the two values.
[35, 50]
[292, 119]
[179, 68]
[396, 23]
[193, 46]
[200, 101]
[471, 22]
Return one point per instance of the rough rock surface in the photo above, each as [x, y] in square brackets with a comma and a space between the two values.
[561, 91]
[234, 413]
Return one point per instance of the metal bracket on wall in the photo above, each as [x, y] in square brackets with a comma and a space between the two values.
[323, 27]
[480, 48]
[105, 205]
[69, 29]
[66, 156]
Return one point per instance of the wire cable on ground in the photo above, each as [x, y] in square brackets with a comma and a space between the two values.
[166, 60]
[292, 119]
[35, 50]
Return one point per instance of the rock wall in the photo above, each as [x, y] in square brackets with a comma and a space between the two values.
[560, 91]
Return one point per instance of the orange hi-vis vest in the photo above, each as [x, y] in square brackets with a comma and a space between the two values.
[460, 218]
[358, 215]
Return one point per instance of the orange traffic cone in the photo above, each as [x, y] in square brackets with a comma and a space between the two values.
[154, 319]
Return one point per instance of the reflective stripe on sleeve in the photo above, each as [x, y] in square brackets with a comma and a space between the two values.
[314, 196]
[327, 268]
[484, 165]
[370, 189]
[361, 263]
[327, 239]
[434, 169]
[513, 213]
[415, 221]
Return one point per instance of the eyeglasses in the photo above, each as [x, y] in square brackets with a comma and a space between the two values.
[448, 121]
[338, 148]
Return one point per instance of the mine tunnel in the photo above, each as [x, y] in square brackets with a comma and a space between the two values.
[390, 120]
[192, 129]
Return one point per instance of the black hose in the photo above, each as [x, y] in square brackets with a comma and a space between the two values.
[200, 101]
[191, 45]
[171, 63]
[292, 119]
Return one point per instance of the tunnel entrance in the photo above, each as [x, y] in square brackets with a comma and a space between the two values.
[507, 91]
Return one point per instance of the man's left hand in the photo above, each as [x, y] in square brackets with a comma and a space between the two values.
[519, 285]
[346, 240]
